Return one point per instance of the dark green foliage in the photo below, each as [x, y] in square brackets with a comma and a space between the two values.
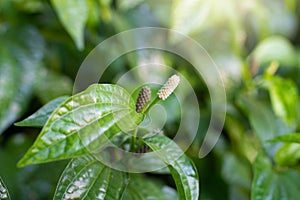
[42, 45]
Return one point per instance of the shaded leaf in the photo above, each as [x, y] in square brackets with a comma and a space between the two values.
[57, 85]
[292, 137]
[39, 118]
[236, 172]
[20, 54]
[182, 169]
[73, 15]
[4, 195]
[140, 188]
[84, 123]
[87, 178]
[263, 121]
[269, 184]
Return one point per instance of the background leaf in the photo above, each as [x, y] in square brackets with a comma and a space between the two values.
[87, 178]
[4, 195]
[181, 168]
[57, 85]
[20, 60]
[84, 123]
[271, 184]
[284, 98]
[73, 15]
[39, 118]
[141, 187]
[292, 137]
[263, 121]
[288, 154]
[275, 48]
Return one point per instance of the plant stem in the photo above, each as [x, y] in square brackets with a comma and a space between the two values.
[147, 108]
[133, 141]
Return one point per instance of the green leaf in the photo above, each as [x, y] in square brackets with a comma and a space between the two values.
[126, 5]
[236, 171]
[73, 15]
[292, 137]
[269, 184]
[140, 188]
[284, 98]
[21, 51]
[288, 154]
[275, 48]
[4, 195]
[57, 85]
[263, 121]
[84, 123]
[181, 167]
[39, 118]
[87, 178]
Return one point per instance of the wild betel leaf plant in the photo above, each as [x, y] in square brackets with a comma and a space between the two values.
[81, 126]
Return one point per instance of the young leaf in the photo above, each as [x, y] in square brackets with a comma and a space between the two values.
[4, 195]
[84, 123]
[87, 178]
[182, 169]
[288, 154]
[73, 15]
[140, 188]
[292, 138]
[284, 98]
[271, 184]
[39, 118]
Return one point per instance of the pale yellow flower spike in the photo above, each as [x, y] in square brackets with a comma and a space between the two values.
[168, 87]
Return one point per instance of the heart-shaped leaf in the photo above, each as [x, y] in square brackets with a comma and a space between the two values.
[140, 188]
[84, 123]
[39, 118]
[87, 178]
[271, 184]
[4, 195]
[181, 167]
[73, 15]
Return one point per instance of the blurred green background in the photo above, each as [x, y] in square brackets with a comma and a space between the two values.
[255, 44]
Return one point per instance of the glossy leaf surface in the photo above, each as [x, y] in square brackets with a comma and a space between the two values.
[39, 118]
[269, 184]
[87, 178]
[84, 123]
[19, 61]
[182, 169]
[73, 15]
[4, 195]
